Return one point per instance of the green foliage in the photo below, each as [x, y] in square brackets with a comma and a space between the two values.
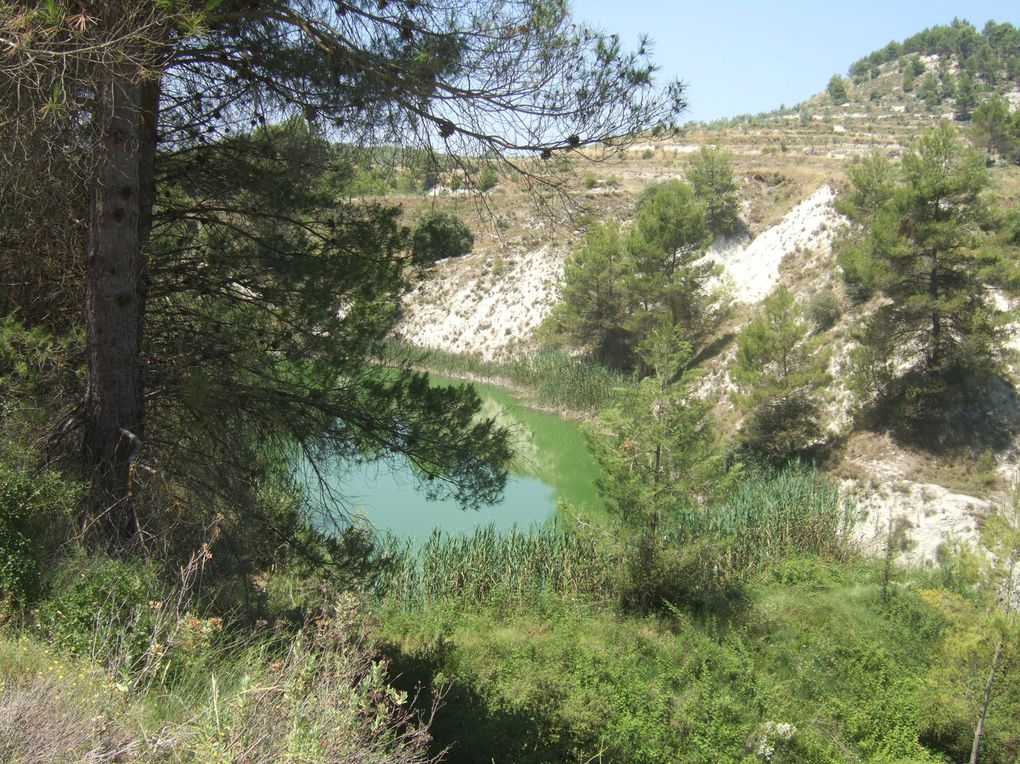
[824, 309]
[930, 91]
[666, 288]
[918, 248]
[771, 516]
[976, 674]
[548, 377]
[812, 665]
[592, 309]
[658, 458]
[995, 128]
[99, 608]
[438, 235]
[966, 96]
[658, 461]
[909, 78]
[487, 179]
[619, 289]
[711, 176]
[837, 90]
[873, 183]
[318, 695]
[36, 506]
[779, 371]
[508, 568]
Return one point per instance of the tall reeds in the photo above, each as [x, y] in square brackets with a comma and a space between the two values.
[771, 515]
[493, 566]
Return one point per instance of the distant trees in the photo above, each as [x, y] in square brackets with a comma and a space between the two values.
[621, 287]
[921, 230]
[779, 370]
[439, 235]
[837, 90]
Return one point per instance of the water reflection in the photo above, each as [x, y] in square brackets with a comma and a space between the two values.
[552, 463]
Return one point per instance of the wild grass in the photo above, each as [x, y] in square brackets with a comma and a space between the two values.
[548, 377]
[770, 516]
[491, 566]
[320, 695]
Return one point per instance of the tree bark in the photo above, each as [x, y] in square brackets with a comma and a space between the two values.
[114, 308]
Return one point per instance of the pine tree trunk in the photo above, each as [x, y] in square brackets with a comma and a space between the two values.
[114, 308]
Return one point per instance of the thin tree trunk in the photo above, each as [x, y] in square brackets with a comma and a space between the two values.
[980, 729]
[114, 310]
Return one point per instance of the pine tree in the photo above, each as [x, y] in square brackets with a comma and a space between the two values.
[669, 282]
[658, 461]
[711, 176]
[779, 370]
[167, 97]
[592, 307]
[922, 245]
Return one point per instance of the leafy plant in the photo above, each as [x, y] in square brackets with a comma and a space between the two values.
[438, 235]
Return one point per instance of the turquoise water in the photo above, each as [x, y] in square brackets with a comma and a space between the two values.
[552, 464]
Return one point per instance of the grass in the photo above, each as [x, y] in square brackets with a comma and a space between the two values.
[815, 667]
[771, 516]
[320, 696]
[486, 566]
[548, 378]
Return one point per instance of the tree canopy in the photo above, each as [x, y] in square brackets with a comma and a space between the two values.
[926, 235]
[236, 305]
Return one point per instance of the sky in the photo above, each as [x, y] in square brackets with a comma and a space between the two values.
[749, 56]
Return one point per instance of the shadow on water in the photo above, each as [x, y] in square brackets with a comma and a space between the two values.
[552, 464]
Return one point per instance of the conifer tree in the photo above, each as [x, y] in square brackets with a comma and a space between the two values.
[592, 307]
[922, 244]
[168, 97]
[779, 370]
[711, 176]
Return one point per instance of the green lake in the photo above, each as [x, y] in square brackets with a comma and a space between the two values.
[552, 464]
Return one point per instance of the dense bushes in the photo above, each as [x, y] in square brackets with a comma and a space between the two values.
[34, 507]
[439, 235]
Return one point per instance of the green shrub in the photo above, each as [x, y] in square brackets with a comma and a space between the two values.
[590, 180]
[439, 235]
[33, 507]
[824, 310]
[102, 608]
[487, 179]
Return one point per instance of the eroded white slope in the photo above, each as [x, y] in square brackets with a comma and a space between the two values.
[751, 268]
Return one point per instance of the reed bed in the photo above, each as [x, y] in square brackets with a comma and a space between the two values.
[549, 377]
[774, 515]
[512, 567]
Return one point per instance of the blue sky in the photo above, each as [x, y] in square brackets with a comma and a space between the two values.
[747, 56]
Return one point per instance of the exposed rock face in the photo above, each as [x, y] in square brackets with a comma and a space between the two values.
[751, 268]
[489, 304]
[482, 304]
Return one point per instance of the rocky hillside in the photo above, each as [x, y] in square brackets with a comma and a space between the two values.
[790, 167]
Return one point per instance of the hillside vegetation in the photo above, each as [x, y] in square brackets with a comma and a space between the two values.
[789, 336]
